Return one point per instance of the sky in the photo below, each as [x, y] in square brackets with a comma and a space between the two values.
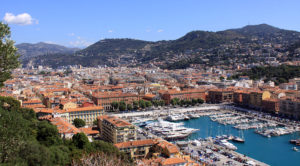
[79, 23]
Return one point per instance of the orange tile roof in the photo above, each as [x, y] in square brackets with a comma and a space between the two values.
[170, 147]
[31, 101]
[63, 126]
[85, 109]
[118, 122]
[135, 143]
[35, 106]
[113, 94]
[149, 95]
[89, 131]
[173, 161]
[57, 90]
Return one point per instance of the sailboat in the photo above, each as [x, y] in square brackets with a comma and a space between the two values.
[239, 139]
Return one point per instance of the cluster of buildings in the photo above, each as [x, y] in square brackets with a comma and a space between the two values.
[88, 94]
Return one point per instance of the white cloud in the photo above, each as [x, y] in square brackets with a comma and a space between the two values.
[160, 30]
[20, 19]
[80, 42]
[110, 31]
[71, 34]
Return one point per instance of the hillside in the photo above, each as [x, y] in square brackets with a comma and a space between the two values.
[197, 47]
[28, 50]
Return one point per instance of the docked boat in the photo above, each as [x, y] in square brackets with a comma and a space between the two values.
[174, 118]
[295, 142]
[238, 139]
[169, 130]
[295, 149]
[226, 144]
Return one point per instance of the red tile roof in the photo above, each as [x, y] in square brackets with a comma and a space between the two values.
[135, 143]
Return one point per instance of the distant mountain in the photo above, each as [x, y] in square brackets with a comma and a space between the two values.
[214, 47]
[267, 32]
[28, 50]
[108, 46]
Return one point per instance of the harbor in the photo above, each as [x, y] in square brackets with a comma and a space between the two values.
[227, 136]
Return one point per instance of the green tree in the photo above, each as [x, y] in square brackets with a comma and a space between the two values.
[142, 104]
[148, 104]
[95, 122]
[129, 107]
[81, 141]
[181, 103]
[194, 102]
[173, 102]
[79, 122]
[135, 105]
[162, 103]
[8, 56]
[60, 155]
[122, 106]
[200, 101]
[115, 105]
[47, 134]
[36, 154]
[222, 78]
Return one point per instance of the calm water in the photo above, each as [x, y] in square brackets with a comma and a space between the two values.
[275, 151]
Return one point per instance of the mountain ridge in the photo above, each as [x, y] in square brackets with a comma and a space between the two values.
[29, 50]
[125, 51]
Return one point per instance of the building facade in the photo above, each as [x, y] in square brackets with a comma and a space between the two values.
[290, 107]
[88, 114]
[136, 149]
[167, 96]
[220, 95]
[116, 130]
[105, 99]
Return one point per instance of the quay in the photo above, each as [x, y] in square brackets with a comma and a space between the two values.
[167, 111]
[212, 154]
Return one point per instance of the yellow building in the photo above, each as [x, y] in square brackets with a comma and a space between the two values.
[68, 105]
[256, 98]
[116, 130]
[88, 114]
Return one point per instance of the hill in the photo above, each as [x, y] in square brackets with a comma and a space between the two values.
[197, 47]
[28, 50]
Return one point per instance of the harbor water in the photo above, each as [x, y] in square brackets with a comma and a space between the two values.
[275, 151]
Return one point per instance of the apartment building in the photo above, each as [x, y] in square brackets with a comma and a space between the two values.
[116, 130]
[290, 107]
[136, 149]
[256, 98]
[105, 99]
[88, 114]
[168, 95]
[220, 95]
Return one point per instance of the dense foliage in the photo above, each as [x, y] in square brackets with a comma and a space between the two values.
[8, 56]
[24, 140]
[280, 74]
[79, 123]
[140, 104]
[177, 101]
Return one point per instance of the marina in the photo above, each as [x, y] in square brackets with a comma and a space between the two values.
[229, 137]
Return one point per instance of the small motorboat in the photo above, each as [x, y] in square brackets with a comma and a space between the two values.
[295, 149]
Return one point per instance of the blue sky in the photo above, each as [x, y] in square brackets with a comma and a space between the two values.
[78, 23]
